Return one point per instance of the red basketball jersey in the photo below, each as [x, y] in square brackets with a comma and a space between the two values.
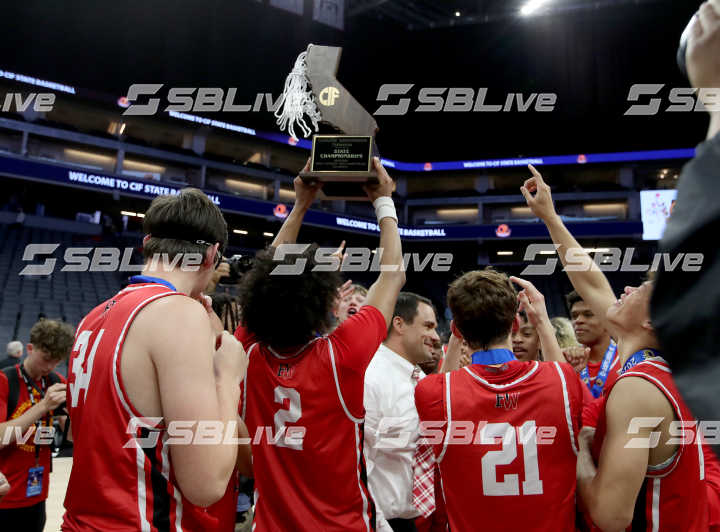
[674, 495]
[304, 411]
[117, 484]
[509, 461]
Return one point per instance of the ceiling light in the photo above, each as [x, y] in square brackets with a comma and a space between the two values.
[531, 6]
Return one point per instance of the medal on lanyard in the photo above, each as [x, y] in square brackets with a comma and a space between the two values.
[597, 388]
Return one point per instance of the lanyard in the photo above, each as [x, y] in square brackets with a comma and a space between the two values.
[639, 356]
[494, 356]
[597, 388]
[30, 384]
[137, 279]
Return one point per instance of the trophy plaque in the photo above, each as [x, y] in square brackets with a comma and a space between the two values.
[342, 162]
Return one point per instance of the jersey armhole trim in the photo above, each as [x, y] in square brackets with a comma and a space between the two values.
[448, 415]
[331, 352]
[244, 383]
[676, 408]
[568, 413]
[130, 409]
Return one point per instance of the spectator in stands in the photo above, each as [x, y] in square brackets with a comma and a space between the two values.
[14, 354]
[390, 382]
[30, 394]
[4, 486]
[353, 299]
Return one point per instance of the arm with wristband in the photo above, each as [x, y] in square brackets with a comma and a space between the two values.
[384, 292]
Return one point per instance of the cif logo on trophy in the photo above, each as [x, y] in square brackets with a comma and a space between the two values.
[342, 162]
[328, 96]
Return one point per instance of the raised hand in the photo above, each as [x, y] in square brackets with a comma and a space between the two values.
[305, 193]
[532, 302]
[577, 357]
[537, 195]
[385, 185]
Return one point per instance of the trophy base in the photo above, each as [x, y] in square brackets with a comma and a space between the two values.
[341, 186]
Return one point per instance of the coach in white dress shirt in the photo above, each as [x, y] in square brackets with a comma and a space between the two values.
[391, 421]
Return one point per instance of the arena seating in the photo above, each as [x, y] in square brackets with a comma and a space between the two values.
[65, 295]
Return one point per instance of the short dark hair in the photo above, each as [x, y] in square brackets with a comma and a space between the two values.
[483, 304]
[54, 337]
[572, 298]
[406, 307]
[176, 223]
[287, 310]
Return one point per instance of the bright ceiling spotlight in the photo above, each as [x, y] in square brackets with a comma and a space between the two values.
[531, 6]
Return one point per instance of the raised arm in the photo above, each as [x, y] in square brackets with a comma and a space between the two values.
[454, 357]
[585, 276]
[384, 292]
[304, 197]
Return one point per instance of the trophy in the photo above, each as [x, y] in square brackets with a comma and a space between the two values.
[342, 162]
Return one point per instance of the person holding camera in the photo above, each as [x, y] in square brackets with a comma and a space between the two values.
[30, 395]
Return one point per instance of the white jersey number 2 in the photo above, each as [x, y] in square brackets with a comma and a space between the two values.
[287, 415]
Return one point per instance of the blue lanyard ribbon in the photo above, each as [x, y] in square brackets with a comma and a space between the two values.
[494, 356]
[139, 279]
[597, 388]
[638, 357]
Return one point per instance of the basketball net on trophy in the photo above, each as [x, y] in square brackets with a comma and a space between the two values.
[312, 93]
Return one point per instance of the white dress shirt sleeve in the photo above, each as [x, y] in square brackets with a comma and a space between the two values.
[373, 414]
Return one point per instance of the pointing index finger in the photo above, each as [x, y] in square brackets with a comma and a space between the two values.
[537, 175]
